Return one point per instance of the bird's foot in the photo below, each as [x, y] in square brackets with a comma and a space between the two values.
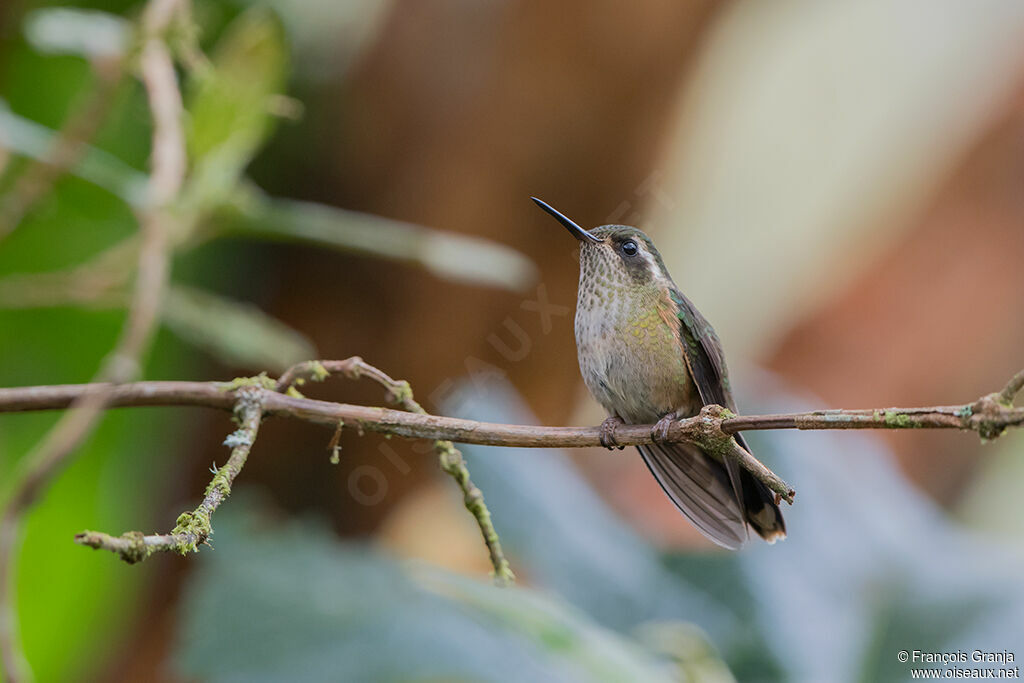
[659, 433]
[608, 428]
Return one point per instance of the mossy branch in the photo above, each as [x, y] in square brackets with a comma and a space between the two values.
[193, 527]
[400, 393]
[713, 428]
[986, 416]
[713, 437]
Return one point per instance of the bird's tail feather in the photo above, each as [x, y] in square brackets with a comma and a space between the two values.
[700, 486]
[760, 508]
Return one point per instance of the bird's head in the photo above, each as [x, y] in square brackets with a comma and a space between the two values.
[619, 253]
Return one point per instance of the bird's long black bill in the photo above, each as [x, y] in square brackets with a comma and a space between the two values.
[577, 232]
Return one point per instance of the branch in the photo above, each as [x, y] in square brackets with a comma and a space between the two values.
[134, 546]
[193, 528]
[452, 462]
[168, 150]
[982, 416]
[1012, 388]
[987, 416]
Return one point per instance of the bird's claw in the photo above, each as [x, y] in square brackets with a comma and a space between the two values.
[608, 428]
[659, 433]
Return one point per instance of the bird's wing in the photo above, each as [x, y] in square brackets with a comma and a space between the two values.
[704, 356]
[706, 362]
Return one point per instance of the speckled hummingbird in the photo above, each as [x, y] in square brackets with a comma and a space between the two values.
[649, 357]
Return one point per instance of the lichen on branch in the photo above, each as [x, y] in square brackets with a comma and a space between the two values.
[713, 428]
[193, 528]
[399, 392]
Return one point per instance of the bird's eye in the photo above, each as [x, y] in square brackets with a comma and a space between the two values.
[629, 248]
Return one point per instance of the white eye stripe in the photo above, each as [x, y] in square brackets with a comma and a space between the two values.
[650, 263]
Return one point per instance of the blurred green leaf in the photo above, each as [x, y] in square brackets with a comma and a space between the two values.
[238, 333]
[294, 604]
[33, 140]
[80, 32]
[74, 606]
[230, 104]
[249, 214]
[448, 255]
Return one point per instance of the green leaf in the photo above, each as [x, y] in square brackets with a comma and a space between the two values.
[230, 105]
[71, 603]
[448, 255]
[238, 333]
[34, 140]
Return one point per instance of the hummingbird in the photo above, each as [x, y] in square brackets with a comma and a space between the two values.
[649, 357]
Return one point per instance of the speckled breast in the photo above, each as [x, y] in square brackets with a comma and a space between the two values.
[630, 355]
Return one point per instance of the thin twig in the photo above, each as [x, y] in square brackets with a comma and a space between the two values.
[300, 373]
[714, 438]
[1012, 388]
[452, 462]
[193, 528]
[166, 179]
[157, 72]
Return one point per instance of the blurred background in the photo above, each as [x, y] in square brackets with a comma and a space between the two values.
[838, 186]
